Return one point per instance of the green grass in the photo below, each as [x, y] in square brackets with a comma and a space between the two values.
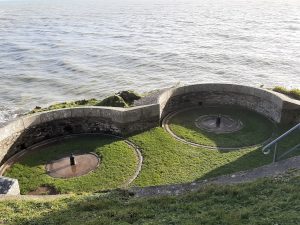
[290, 141]
[256, 127]
[165, 161]
[118, 164]
[264, 202]
[293, 93]
[168, 161]
[62, 105]
[120, 99]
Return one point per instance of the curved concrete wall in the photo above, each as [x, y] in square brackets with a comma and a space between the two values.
[28, 130]
[271, 104]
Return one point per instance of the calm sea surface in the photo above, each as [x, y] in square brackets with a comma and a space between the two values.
[52, 51]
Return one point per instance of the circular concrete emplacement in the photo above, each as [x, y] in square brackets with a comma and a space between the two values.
[62, 168]
[226, 124]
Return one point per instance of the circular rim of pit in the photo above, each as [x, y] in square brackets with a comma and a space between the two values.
[11, 160]
[165, 125]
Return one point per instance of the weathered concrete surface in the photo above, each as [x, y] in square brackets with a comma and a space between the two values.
[270, 170]
[291, 111]
[9, 186]
[259, 100]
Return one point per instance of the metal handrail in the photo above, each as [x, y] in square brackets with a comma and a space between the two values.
[267, 149]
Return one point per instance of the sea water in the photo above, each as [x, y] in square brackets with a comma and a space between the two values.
[55, 51]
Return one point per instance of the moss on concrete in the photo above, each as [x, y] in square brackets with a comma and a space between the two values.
[62, 105]
[293, 93]
[120, 99]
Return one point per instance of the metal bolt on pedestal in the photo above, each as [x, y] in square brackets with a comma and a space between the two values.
[72, 160]
[218, 121]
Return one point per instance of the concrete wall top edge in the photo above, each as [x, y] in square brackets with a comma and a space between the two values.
[227, 87]
[118, 115]
[276, 103]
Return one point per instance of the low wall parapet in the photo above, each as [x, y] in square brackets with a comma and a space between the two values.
[28, 130]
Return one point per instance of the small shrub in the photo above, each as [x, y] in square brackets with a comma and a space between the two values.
[114, 101]
[129, 96]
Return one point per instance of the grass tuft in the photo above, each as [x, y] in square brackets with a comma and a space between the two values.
[293, 93]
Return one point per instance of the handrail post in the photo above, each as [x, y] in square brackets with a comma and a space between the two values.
[267, 148]
[275, 153]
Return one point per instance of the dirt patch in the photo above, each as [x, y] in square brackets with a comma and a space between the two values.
[44, 190]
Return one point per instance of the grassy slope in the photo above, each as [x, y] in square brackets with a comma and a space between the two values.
[166, 161]
[263, 202]
[117, 165]
[290, 141]
[256, 128]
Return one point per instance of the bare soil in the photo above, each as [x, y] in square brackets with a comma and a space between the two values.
[44, 190]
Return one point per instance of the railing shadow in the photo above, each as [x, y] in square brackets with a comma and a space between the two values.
[256, 158]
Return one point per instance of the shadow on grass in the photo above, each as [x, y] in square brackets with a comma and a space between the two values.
[256, 158]
[103, 210]
[251, 160]
[238, 204]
